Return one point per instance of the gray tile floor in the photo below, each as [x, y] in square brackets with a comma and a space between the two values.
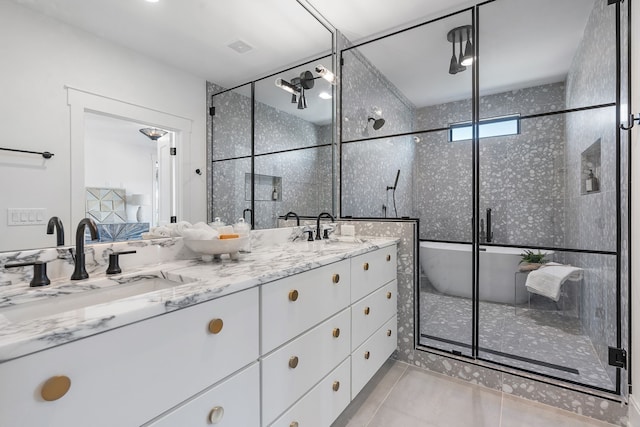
[539, 339]
[400, 395]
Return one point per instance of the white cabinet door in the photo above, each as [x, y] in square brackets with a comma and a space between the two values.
[293, 369]
[369, 357]
[371, 312]
[371, 270]
[129, 375]
[322, 405]
[234, 402]
[295, 304]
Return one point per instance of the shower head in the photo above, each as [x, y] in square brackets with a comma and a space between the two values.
[377, 123]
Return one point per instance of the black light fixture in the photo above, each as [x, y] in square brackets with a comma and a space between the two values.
[306, 81]
[153, 133]
[460, 35]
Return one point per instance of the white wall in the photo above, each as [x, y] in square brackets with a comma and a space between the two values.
[634, 404]
[40, 57]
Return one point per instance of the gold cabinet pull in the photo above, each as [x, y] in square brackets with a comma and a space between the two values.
[336, 332]
[388, 332]
[293, 424]
[215, 326]
[336, 386]
[388, 295]
[55, 387]
[367, 310]
[293, 362]
[388, 257]
[365, 266]
[293, 295]
[216, 414]
[335, 278]
[367, 354]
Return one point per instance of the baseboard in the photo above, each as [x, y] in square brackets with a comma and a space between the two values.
[634, 412]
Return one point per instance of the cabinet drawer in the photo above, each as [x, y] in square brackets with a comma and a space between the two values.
[292, 370]
[295, 304]
[369, 357]
[322, 405]
[232, 403]
[127, 376]
[371, 312]
[371, 270]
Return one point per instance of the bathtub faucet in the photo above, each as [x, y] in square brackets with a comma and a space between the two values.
[489, 232]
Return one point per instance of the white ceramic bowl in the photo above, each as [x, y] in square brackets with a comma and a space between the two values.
[218, 246]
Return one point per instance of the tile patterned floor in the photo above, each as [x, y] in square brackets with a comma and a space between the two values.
[400, 395]
[555, 343]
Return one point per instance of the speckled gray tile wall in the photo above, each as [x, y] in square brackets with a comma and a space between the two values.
[305, 187]
[591, 218]
[521, 176]
[369, 167]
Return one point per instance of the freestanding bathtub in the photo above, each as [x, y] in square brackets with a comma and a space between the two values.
[448, 268]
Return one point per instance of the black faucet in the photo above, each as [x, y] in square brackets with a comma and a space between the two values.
[286, 217]
[80, 272]
[489, 232]
[54, 221]
[322, 215]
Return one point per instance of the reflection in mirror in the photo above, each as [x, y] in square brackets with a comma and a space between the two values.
[292, 168]
[127, 175]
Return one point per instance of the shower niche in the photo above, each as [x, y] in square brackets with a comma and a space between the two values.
[590, 169]
[267, 188]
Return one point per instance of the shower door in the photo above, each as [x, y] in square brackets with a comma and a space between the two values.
[548, 186]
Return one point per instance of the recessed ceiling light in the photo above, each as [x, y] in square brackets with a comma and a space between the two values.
[325, 95]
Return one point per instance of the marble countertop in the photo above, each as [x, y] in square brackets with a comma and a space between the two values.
[202, 281]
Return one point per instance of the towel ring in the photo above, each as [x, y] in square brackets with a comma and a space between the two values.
[631, 123]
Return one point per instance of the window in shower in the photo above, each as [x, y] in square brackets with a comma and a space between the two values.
[487, 128]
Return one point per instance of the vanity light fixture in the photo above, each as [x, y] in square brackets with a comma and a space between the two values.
[153, 133]
[297, 86]
[286, 86]
[326, 74]
[460, 35]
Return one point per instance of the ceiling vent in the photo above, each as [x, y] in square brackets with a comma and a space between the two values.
[240, 46]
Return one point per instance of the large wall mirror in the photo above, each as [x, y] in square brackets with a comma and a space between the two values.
[56, 51]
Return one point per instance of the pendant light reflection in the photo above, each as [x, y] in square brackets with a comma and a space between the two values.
[460, 35]
[153, 133]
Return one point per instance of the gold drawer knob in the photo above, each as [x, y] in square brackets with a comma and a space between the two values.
[365, 266]
[336, 386]
[55, 387]
[336, 332]
[366, 355]
[388, 295]
[216, 414]
[293, 295]
[293, 424]
[335, 278]
[388, 257]
[367, 310]
[293, 362]
[388, 332]
[215, 326]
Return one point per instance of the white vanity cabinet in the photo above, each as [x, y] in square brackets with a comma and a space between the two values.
[232, 403]
[129, 375]
[312, 367]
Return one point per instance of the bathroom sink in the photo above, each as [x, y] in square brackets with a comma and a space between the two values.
[55, 303]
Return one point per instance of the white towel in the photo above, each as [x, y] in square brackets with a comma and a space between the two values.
[548, 279]
[200, 234]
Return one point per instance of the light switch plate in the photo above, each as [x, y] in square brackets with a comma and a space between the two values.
[26, 216]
